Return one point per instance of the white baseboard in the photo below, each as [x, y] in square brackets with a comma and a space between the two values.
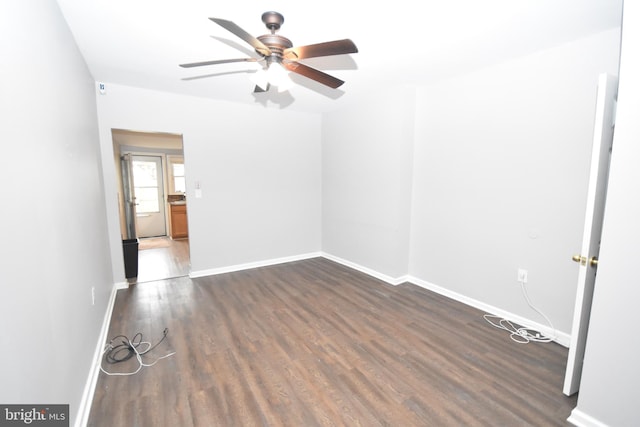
[391, 280]
[561, 338]
[250, 265]
[90, 387]
[580, 419]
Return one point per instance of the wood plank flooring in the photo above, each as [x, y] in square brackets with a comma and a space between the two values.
[313, 343]
[162, 258]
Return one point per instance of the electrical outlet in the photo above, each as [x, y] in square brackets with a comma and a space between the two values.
[522, 275]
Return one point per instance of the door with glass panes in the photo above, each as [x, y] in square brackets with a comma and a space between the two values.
[148, 188]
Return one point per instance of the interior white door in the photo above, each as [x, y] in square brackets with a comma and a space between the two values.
[148, 186]
[588, 257]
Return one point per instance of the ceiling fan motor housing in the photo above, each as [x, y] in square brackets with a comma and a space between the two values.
[276, 43]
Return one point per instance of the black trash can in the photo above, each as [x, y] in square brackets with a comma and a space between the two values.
[130, 249]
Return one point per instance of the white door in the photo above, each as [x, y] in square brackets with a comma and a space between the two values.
[588, 257]
[148, 187]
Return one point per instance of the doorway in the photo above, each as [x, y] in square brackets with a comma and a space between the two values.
[145, 163]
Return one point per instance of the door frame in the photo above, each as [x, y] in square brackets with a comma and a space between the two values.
[127, 140]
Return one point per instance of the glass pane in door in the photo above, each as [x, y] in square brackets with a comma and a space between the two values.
[145, 178]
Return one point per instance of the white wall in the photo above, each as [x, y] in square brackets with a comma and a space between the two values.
[366, 182]
[611, 372]
[500, 177]
[258, 169]
[493, 179]
[55, 246]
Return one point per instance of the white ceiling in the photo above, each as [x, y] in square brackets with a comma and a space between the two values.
[141, 42]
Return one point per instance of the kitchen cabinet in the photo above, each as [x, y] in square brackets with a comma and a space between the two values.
[178, 223]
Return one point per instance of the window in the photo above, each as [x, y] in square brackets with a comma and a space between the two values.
[177, 182]
[178, 177]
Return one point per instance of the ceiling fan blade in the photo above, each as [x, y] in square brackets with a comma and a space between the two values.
[313, 74]
[254, 42]
[217, 61]
[337, 47]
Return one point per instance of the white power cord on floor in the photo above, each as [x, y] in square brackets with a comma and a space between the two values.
[128, 349]
[522, 335]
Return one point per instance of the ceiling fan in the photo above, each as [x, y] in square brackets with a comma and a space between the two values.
[278, 51]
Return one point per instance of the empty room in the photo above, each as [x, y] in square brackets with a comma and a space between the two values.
[404, 214]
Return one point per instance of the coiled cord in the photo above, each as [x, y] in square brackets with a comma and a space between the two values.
[129, 348]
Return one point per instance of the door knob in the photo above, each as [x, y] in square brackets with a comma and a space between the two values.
[593, 261]
[579, 258]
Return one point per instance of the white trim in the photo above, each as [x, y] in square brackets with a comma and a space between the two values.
[580, 419]
[250, 265]
[121, 285]
[90, 387]
[561, 338]
[390, 280]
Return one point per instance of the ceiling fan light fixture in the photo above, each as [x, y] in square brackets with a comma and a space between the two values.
[274, 74]
[279, 77]
[260, 79]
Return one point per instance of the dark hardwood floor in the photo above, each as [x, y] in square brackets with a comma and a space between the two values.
[314, 343]
[162, 258]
